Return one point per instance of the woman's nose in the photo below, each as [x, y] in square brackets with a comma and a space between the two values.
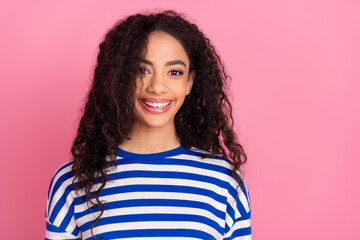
[157, 84]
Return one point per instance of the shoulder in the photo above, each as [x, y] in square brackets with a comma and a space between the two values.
[59, 213]
[235, 183]
[218, 163]
[60, 187]
[196, 153]
[62, 174]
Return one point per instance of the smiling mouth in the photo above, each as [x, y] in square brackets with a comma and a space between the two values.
[156, 104]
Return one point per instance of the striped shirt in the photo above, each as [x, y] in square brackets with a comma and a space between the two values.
[174, 194]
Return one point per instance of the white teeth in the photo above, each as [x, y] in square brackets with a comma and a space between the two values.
[157, 105]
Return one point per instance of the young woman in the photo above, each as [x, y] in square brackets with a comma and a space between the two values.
[155, 156]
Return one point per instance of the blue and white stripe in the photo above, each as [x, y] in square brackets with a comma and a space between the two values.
[170, 195]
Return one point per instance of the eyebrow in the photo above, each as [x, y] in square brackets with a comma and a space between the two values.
[173, 62]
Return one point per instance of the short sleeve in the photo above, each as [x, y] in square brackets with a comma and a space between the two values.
[238, 213]
[59, 213]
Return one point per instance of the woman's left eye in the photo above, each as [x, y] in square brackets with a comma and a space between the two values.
[176, 72]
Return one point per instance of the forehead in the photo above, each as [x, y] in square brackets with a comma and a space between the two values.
[164, 47]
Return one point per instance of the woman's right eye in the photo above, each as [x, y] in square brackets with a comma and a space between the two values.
[142, 70]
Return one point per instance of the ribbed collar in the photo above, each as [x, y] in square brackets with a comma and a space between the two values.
[173, 152]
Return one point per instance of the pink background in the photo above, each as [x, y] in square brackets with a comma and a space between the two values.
[295, 67]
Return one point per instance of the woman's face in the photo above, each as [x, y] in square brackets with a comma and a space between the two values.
[165, 82]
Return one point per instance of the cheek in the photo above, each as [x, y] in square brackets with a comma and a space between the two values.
[139, 86]
[138, 91]
[181, 88]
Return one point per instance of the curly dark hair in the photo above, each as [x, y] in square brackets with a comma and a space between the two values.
[204, 120]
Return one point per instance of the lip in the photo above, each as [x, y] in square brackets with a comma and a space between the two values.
[156, 110]
[155, 100]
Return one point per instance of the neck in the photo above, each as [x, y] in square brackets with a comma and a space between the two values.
[145, 140]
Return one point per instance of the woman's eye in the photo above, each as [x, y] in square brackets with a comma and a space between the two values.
[142, 70]
[176, 73]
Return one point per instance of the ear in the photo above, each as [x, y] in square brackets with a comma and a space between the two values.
[190, 82]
